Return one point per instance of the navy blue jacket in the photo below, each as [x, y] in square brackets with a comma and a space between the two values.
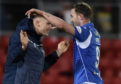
[26, 67]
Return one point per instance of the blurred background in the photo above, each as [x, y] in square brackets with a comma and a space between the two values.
[107, 20]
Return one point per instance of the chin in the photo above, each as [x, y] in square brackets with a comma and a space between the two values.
[45, 34]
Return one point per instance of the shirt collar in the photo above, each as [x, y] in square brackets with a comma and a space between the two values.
[88, 24]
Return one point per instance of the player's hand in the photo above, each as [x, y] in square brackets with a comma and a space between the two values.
[24, 39]
[33, 10]
[62, 47]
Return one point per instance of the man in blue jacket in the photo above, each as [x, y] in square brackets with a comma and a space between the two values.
[26, 59]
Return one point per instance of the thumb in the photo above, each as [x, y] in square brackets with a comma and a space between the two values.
[25, 34]
[66, 43]
[22, 47]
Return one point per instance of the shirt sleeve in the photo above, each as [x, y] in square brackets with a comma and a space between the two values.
[81, 33]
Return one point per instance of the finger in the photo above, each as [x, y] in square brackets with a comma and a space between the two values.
[25, 34]
[62, 43]
[28, 12]
[21, 33]
[28, 15]
[22, 46]
[41, 12]
[67, 43]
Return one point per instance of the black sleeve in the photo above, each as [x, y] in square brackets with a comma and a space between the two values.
[50, 60]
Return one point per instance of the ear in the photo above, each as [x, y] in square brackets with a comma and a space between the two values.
[36, 23]
[81, 16]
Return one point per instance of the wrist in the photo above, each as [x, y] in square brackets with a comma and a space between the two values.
[24, 47]
[58, 53]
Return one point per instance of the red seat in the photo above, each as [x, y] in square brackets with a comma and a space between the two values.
[118, 55]
[65, 62]
[105, 63]
[2, 57]
[50, 44]
[108, 76]
[107, 60]
[116, 45]
[1, 75]
[109, 55]
[117, 64]
[105, 45]
[4, 40]
[107, 81]
[108, 73]
[65, 80]
[117, 80]
[50, 41]
[50, 76]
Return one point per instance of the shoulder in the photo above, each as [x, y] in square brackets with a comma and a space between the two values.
[15, 38]
[81, 32]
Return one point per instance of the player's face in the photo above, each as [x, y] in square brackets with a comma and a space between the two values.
[42, 26]
[74, 17]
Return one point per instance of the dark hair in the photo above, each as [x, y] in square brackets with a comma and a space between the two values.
[34, 15]
[83, 8]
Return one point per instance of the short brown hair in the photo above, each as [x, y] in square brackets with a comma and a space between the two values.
[34, 15]
[83, 8]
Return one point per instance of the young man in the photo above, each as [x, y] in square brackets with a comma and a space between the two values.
[86, 42]
[25, 60]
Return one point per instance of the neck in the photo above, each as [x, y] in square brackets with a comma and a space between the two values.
[84, 21]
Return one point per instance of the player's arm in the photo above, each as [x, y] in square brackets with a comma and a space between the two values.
[58, 22]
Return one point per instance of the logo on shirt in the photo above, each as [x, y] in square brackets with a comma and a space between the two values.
[36, 45]
[79, 29]
[97, 40]
[96, 33]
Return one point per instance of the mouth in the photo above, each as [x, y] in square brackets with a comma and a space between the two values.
[47, 31]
